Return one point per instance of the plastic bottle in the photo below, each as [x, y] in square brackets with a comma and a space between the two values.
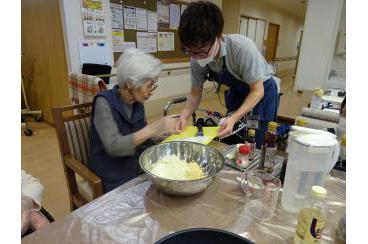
[251, 139]
[269, 147]
[316, 102]
[312, 218]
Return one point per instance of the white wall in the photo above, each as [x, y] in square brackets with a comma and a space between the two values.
[339, 62]
[178, 82]
[73, 31]
[318, 45]
[290, 27]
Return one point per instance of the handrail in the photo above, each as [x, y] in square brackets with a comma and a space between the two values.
[284, 59]
[163, 70]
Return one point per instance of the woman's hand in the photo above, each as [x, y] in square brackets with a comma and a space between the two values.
[27, 206]
[181, 124]
[227, 127]
[165, 125]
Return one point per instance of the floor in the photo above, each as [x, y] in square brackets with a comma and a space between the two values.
[41, 156]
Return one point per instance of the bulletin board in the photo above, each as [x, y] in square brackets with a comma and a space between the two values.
[131, 35]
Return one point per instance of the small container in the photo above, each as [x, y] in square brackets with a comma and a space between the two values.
[262, 191]
[243, 155]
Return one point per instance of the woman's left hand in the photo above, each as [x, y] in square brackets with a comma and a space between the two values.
[227, 127]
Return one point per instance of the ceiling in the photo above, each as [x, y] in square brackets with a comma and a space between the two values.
[296, 7]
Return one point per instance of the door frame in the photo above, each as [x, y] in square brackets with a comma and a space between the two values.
[277, 41]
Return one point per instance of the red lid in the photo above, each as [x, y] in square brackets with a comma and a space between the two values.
[244, 149]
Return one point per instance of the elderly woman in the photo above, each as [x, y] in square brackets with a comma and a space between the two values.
[119, 131]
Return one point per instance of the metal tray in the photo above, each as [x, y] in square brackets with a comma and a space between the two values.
[253, 164]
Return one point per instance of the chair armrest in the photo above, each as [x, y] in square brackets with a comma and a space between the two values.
[85, 173]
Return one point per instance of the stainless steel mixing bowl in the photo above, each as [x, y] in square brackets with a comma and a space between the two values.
[210, 160]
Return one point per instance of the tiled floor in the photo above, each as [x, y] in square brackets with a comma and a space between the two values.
[41, 156]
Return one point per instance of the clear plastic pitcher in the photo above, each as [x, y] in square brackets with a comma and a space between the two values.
[311, 158]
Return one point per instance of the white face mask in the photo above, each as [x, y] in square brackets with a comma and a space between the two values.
[204, 61]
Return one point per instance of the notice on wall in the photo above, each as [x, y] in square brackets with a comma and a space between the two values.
[165, 41]
[174, 15]
[182, 8]
[116, 16]
[163, 14]
[93, 18]
[130, 22]
[147, 42]
[129, 45]
[141, 16]
[117, 41]
[152, 21]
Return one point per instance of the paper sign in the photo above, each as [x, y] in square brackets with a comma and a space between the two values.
[117, 41]
[152, 21]
[116, 16]
[129, 18]
[165, 41]
[93, 18]
[129, 45]
[147, 42]
[174, 15]
[141, 17]
[163, 12]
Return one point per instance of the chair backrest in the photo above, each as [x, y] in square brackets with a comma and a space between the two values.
[73, 131]
[77, 135]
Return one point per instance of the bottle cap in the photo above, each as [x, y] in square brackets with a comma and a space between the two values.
[244, 149]
[272, 126]
[318, 92]
[251, 132]
[301, 122]
[318, 191]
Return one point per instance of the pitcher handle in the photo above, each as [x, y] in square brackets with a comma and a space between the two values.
[335, 155]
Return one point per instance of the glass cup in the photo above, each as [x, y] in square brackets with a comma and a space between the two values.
[262, 191]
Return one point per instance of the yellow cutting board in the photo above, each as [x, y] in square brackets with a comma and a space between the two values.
[190, 134]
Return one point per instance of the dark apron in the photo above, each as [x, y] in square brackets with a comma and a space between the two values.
[266, 109]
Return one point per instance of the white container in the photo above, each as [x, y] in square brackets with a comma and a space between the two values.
[311, 158]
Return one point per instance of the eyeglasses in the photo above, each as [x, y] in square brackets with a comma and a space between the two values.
[204, 53]
[153, 86]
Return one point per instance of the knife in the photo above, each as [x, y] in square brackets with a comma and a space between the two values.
[200, 130]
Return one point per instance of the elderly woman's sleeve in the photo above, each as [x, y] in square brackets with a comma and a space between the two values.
[115, 144]
[32, 187]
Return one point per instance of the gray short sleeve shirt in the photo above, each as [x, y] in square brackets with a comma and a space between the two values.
[243, 60]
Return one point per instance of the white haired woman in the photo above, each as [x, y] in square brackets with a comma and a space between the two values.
[119, 132]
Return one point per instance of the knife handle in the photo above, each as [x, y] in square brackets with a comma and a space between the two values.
[200, 130]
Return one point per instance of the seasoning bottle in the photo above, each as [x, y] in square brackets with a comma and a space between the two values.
[312, 218]
[251, 139]
[269, 147]
[243, 155]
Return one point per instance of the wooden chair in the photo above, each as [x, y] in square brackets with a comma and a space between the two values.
[73, 133]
